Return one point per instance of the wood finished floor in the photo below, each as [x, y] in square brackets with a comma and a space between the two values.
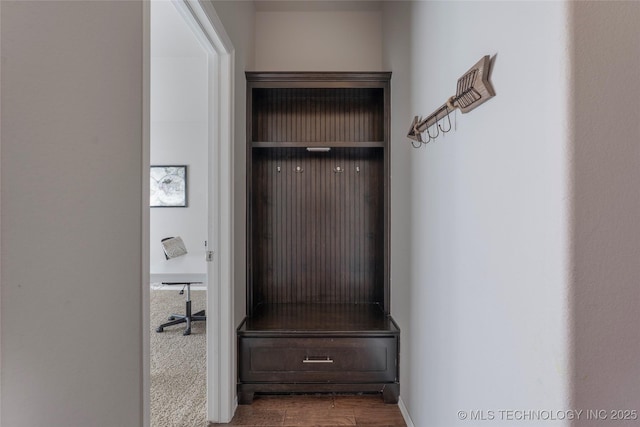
[317, 410]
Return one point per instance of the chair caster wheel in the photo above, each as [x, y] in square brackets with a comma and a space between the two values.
[160, 329]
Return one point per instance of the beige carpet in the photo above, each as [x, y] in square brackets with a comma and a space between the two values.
[178, 363]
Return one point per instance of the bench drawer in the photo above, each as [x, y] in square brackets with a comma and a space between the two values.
[326, 360]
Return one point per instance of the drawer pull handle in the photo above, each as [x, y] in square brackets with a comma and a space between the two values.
[327, 360]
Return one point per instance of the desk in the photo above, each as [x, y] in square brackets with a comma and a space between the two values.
[177, 277]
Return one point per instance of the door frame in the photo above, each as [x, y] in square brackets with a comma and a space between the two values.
[221, 353]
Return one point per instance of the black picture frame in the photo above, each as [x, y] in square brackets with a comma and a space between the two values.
[168, 186]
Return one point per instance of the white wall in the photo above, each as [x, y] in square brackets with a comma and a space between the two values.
[318, 36]
[396, 50]
[486, 207]
[72, 131]
[0, 220]
[605, 100]
[179, 135]
[238, 19]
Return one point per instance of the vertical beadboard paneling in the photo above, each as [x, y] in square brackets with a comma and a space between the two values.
[312, 115]
[317, 234]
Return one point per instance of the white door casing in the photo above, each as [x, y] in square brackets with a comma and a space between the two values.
[208, 29]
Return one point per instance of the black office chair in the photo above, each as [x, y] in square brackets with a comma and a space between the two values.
[174, 247]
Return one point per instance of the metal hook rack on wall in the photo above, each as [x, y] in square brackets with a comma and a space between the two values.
[473, 89]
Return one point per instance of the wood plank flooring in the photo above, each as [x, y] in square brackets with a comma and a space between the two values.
[317, 410]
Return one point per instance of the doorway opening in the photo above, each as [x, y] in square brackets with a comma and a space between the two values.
[189, 116]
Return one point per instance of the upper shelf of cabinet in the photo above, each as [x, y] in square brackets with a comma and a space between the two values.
[316, 109]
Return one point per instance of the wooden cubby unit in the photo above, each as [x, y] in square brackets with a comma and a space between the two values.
[318, 237]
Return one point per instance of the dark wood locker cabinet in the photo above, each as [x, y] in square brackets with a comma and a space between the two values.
[318, 236]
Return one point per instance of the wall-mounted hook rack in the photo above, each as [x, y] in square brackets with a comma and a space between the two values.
[473, 89]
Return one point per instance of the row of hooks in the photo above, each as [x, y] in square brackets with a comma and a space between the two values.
[300, 169]
[473, 89]
[417, 143]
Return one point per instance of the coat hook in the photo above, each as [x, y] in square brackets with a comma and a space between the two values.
[357, 169]
[448, 119]
[416, 134]
[437, 128]
[338, 169]
[278, 169]
[299, 169]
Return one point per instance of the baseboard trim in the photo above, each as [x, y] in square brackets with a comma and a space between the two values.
[405, 413]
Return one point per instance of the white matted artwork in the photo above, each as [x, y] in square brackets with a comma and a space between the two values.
[168, 186]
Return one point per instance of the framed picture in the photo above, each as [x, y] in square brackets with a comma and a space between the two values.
[168, 187]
